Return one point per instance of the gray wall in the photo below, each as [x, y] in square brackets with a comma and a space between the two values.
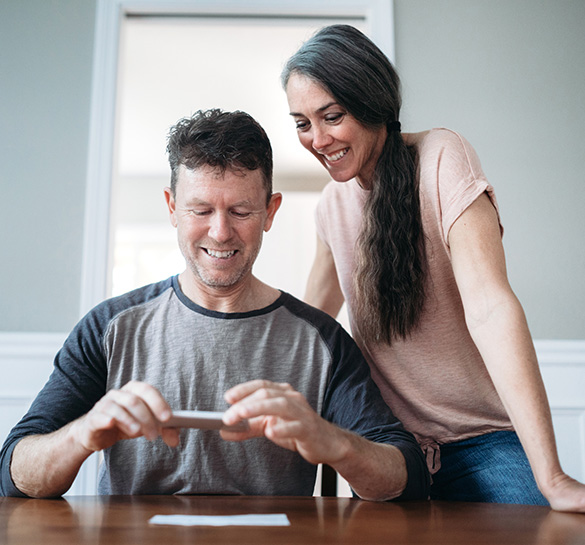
[46, 51]
[510, 76]
[507, 74]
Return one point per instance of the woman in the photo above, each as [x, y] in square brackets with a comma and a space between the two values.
[411, 240]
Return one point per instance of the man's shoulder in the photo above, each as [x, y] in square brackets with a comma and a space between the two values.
[297, 306]
[112, 307]
[313, 316]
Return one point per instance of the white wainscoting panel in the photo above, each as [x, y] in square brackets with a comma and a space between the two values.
[562, 364]
[26, 360]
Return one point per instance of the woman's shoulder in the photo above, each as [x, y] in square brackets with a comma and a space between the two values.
[445, 149]
[439, 138]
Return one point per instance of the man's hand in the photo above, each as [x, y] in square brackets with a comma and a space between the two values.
[136, 410]
[283, 415]
[39, 467]
[375, 471]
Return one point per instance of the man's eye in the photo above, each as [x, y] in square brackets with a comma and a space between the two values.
[199, 212]
[240, 214]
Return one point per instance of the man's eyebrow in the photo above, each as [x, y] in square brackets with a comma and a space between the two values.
[196, 202]
[199, 202]
[245, 202]
[318, 110]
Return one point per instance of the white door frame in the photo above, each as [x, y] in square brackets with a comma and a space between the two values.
[379, 18]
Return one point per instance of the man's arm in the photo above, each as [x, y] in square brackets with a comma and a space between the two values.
[46, 465]
[375, 471]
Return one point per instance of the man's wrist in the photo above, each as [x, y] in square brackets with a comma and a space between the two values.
[74, 438]
[345, 450]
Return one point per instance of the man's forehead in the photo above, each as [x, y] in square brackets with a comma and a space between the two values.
[218, 172]
[200, 200]
[195, 183]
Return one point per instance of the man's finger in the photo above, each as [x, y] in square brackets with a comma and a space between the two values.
[239, 392]
[151, 397]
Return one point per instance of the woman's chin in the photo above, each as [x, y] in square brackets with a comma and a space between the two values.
[341, 176]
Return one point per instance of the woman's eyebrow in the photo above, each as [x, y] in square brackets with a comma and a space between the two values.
[321, 109]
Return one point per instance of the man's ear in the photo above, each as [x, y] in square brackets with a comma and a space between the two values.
[171, 204]
[273, 206]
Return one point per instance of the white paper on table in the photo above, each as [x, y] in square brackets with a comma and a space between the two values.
[232, 520]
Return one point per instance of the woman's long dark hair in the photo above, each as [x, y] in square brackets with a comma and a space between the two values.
[390, 267]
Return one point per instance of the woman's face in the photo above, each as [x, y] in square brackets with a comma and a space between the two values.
[345, 147]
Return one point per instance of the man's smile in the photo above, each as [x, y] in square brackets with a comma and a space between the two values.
[220, 254]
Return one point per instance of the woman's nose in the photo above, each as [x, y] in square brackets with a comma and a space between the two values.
[321, 139]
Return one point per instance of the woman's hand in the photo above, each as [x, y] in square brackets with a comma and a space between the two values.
[566, 494]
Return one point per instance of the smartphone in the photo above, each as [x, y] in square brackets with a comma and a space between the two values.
[203, 420]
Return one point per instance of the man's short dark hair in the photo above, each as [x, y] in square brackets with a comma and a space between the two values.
[223, 140]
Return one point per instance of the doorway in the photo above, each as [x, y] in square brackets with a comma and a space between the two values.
[169, 67]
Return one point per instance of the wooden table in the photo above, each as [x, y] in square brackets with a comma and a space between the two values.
[124, 520]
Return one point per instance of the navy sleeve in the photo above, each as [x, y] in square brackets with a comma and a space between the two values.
[78, 379]
[353, 400]
[77, 382]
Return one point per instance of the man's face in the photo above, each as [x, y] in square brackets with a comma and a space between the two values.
[220, 219]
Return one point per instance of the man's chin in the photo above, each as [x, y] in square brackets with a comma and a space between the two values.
[221, 282]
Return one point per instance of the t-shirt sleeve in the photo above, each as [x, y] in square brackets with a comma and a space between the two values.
[77, 382]
[460, 179]
[353, 401]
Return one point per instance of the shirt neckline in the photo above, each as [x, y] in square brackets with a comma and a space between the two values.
[224, 315]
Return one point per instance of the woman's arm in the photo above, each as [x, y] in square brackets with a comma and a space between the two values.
[498, 326]
[323, 289]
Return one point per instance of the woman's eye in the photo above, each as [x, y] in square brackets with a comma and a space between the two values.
[332, 118]
[302, 125]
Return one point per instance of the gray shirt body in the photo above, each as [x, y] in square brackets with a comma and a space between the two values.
[193, 355]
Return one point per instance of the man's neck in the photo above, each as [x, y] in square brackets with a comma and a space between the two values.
[246, 296]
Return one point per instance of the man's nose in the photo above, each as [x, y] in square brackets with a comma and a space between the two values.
[220, 228]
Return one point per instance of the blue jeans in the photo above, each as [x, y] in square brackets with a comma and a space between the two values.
[489, 468]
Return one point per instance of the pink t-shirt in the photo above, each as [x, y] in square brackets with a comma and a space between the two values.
[435, 381]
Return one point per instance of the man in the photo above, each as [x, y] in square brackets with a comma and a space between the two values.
[211, 335]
